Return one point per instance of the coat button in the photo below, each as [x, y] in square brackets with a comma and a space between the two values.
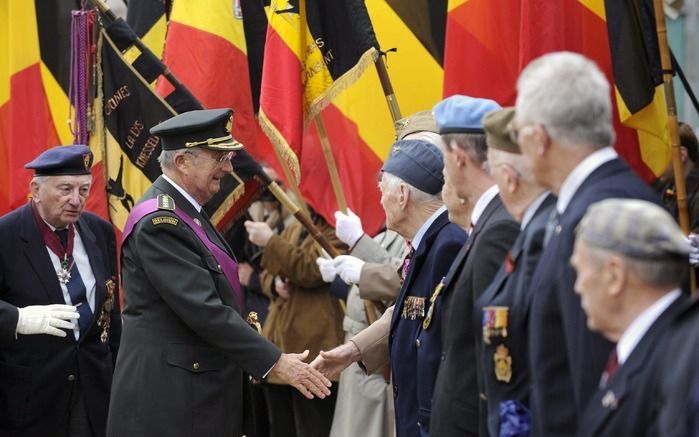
[418, 343]
[195, 366]
[444, 356]
[71, 377]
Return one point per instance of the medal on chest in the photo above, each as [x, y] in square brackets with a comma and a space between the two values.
[64, 273]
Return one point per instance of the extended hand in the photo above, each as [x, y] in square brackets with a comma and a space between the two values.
[348, 227]
[259, 233]
[46, 319]
[291, 369]
[349, 268]
[334, 361]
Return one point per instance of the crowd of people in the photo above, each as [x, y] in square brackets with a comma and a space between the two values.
[527, 283]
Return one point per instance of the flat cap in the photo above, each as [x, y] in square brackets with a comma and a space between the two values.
[205, 128]
[497, 130]
[418, 163]
[462, 114]
[635, 228]
[422, 121]
[63, 160]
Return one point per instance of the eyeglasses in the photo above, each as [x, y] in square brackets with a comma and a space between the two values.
[220, 160]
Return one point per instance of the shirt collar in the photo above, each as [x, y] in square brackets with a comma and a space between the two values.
[186, 195]
[638, 328]
[482, 203]
[580, 173]
[532, 209]
[425, 226]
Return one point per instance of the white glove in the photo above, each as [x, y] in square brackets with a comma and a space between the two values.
[46, 319]
[694, 255]
[348, 227]
[349, 268]
[327, 269]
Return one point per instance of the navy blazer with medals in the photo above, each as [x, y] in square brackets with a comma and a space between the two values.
[627, 404]
[511, 289]
[414, 363]
[566, 358]
[185, 345]
[455, 400]
[38, 372]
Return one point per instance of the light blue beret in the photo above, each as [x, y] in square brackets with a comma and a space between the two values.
[462, 114]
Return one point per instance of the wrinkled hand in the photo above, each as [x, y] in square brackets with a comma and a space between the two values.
[327, 269]
[694, 255]
[349, 268]
[282, 287]
[334, 361]
[259, 233]
[245, 270]
[291, 369]
[348, 227]
[46, 319]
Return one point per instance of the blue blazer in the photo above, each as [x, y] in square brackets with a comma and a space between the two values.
[627, 405]
[41, 370]
[567, 359]
[511, 289]
[414, 360]
[455, 400]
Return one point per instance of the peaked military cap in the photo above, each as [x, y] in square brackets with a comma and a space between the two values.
[63, 160]
[635, 228]
[206, 128]
[497, 129]
[462, 114]
[422, 121]
[418, 163]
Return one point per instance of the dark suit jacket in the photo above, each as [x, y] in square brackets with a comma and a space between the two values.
[184, 343]
[511, 290]
[566, 359]
[38, 372]
[626, 405]
[8, 323]
[414, 361]
[678, 391]
[455, 401]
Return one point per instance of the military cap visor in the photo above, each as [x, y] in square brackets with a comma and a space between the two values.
[63, 160]
[206, 128]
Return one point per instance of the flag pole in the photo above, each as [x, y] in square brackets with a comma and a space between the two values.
[292, 182]
[332, 166]
[673, 129]
[388, 89]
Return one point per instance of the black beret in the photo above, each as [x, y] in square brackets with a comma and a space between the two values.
[63, 160]
[206, 128]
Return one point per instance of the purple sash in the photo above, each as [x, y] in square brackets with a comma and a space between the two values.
[228, 265]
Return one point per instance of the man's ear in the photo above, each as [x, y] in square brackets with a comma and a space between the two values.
[511, 178]
[34, 190]
[616, 274]
[403, 196]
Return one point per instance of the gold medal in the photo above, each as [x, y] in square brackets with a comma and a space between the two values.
[105, 320]
[503, 364]
[413, 307]
[254, 321]
[495, 320]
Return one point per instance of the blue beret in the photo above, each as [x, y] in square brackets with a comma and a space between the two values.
[206, 128]
[63, 160]
[462, 114]
[418, 163]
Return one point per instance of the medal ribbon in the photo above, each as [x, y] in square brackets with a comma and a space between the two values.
[51, 238]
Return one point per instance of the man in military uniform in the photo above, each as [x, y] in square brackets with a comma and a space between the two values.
[411, 184]
[56, 257]
[455, 407]
[563, 125]
[630, 257]
[504, 305]
[186, 345]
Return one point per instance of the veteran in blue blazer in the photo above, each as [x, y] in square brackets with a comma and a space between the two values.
[503, 308]
[630, 257]
[54, 254]
[566, 135]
